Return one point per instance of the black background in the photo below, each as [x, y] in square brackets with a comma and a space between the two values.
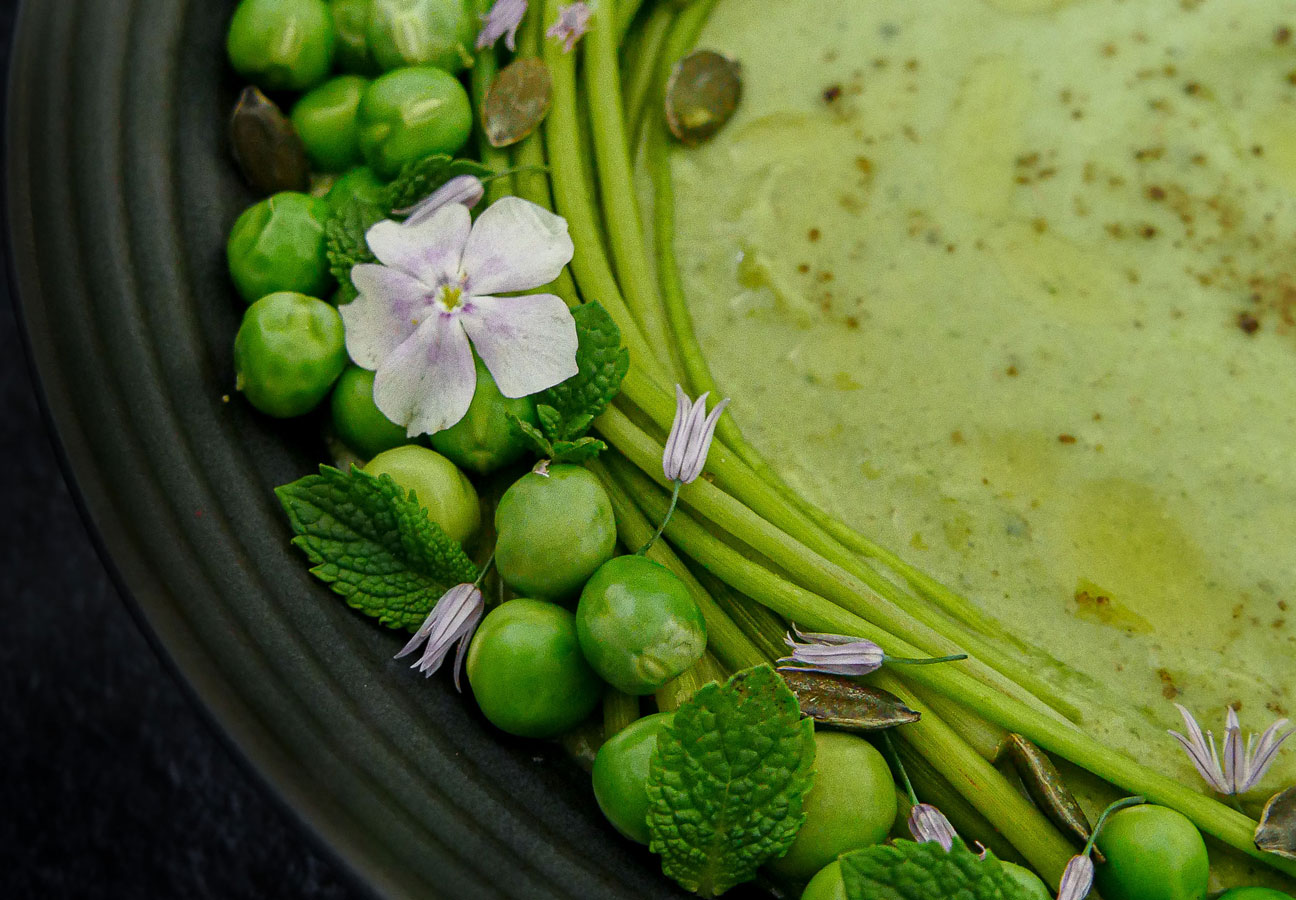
[112, 784]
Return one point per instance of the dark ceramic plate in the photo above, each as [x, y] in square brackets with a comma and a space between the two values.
[120, 193]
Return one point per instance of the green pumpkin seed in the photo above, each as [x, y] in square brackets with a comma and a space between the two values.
[1045, 785]
[702, 95]
[1277, 831]
[516, 102]
[266, 147]
[846, 704]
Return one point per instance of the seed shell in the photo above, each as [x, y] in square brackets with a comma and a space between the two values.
[1277, 831]
[266, 147]
[846, 704]
[702, 95]
[516, 102]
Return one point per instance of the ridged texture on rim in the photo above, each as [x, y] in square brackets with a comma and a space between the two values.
[120, 196]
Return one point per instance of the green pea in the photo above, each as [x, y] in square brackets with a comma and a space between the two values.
[408, 114]
[278, 245]
[851, 805]
[288, 352]
[485, 439]
[638, 624]
[325, 120]
[554, 531]
[527, 672]
[621, 775]
[360, 182]
[1254, 893]
[827, 884]
[1028, 881]
[440, 488]
[357, 420]
[282, 45]
[351, 21]
[422, 33]
[1153, 853]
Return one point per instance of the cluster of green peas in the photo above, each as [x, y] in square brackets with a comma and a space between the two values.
[537, 668]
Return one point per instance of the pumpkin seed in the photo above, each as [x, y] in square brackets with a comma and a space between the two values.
[516, 102]
[702, 95]
[1045, 785]
[266, 147]
[1277, 831]
[846, 704]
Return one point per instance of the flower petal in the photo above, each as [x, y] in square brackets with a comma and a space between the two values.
[1234, 753]
[467, 190]
[429, 250]
[699, 444]
[927, 823]
[528, 343]
[427, 383]
[1077, 879]
[515, 245]
[388, 310]
[674, 441]
[1202, 760]
[1266, 752]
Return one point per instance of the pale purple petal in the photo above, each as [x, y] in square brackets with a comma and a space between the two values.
[571, 25]
[466, 190]
[699, 445]
[858, 658]
[1077, 879]
[1201, 759]
[451, 623]
[1234, 753]
[675, 440]
[1266, 751]
[819, 637]
[429, 250]
[427, 383]
[502, 22]
[690, 437]
[515, 245]
[388, 310]
[927, 823]
[528, 343]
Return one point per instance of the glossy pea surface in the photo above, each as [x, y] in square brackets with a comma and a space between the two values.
[438, 33]
[325, 120]
[408, 114]
[485, 439]
[638, 624]
[351, 22]
[361, 183]
[440, 488]
[278, 245]
[288, 352]
[282, 45]
[357, 421]
[1028, 881]
[554, 531]
[527, 672]
[1254, 893]
[1153, 853]
[851, 805]
[621, 775]
[826, 885]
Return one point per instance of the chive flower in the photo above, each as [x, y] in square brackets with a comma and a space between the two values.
[690, 437]
[571, 25]
[1243, 765]
[1077, 879]
[840, 654]
[502, 22]
[927, 823]
[451, 623]
[466, 190]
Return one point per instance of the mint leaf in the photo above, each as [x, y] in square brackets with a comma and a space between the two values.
[542, 446]
[727, 781]
[578, 451]
[373, 543]
[602, 363]
[908, 871]
[344, 236]
[420, 178]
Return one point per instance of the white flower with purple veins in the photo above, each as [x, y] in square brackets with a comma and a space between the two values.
[1077, 879]
[927, 823]
[571, 25]
[690, 437]
[502, 22]
[1243, 765]
[452, 621]
[839, 654]
[435, 297]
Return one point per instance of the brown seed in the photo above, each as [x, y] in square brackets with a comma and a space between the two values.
[266, 147]
[845, 704]
[1045, 786]
[702, 95]
[517, 101]
[1277, 831]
